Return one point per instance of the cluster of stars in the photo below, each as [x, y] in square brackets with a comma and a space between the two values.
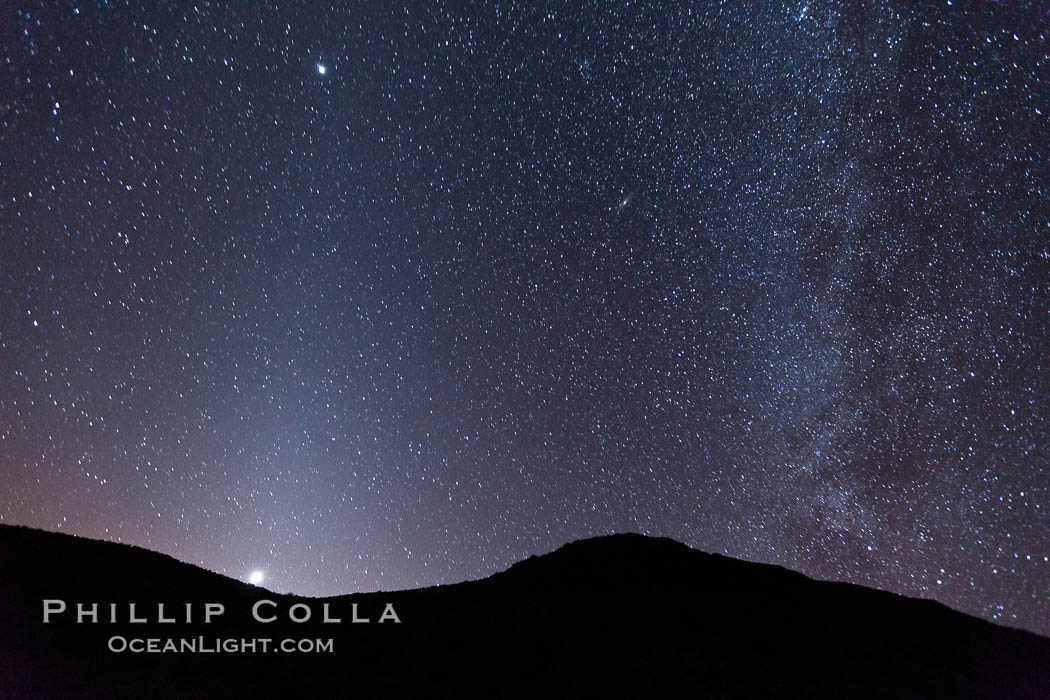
[771, 282]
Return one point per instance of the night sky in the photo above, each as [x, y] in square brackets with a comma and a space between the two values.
[388, 297]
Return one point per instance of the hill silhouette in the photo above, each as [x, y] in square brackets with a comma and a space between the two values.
[617, 616]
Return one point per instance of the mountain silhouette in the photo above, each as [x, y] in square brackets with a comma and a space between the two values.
[617, 616]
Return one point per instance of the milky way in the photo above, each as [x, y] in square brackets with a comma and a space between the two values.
[382, 297]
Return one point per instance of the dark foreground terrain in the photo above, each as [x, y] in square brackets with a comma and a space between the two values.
[620, 616]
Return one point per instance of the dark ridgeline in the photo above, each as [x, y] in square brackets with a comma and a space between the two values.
[619, 616]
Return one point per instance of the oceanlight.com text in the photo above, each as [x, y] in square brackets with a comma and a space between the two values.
[217, 645]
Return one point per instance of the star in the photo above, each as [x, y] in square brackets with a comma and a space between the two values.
[321, 69]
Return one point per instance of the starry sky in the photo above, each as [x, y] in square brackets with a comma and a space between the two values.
[373, 296]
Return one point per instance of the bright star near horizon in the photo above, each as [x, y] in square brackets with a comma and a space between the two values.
[256, 578]
[321, 70]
